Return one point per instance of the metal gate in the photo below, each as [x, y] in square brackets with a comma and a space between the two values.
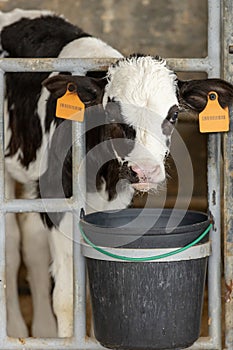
[217, 11]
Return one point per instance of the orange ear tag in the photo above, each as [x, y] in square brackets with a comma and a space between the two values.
[69, 106]
[214, 118]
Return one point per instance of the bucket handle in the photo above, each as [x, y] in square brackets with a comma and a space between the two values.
[148, 258]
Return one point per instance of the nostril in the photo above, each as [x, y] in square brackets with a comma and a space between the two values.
[147, 173]
[135, 168]
[139, 171]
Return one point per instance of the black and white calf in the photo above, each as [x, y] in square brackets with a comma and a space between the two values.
[130, 113]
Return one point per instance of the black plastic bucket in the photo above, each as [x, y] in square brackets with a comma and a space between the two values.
[146, 305]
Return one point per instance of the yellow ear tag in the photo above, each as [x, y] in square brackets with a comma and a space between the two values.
[69, 106]
[214, 118]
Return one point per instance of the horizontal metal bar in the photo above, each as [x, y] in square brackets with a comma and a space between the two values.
[49, 344]
[190, 64]
[53, 64]
[39, 205]
[203, 343]
[84, 64]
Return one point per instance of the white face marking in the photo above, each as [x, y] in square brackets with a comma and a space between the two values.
[145, 90]
[142, 82]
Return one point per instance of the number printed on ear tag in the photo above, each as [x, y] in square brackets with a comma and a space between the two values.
[69, 106]
[214, 118]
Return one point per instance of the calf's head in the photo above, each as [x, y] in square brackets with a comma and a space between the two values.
[140, 99]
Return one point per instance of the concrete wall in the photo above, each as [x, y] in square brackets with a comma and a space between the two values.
[171, 28]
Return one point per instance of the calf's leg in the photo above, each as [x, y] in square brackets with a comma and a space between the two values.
[36, 256]
[62, 269]
[16, 326]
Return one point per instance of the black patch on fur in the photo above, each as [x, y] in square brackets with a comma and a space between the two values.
[56, 182]
[193, 94]
[23, 92]
[45, 37]
[112, 128]
[97, 74]
[170, 121]
[51, 113]
[98, 169]
[112, 172]
[39, 37]
[136, 55]
[89, 89]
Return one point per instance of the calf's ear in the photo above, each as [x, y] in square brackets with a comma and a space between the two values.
[193, 94]
[89, 90]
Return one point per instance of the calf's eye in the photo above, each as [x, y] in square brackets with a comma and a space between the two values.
[174, 118]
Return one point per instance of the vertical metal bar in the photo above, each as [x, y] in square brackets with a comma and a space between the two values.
[214, 33]
[214, 176]
[227, 53]
[2, 218]
[228, 235]
[79, 182]
[1, 137]
[214, 276]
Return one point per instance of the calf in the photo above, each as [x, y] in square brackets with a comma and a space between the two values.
[130, 113]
